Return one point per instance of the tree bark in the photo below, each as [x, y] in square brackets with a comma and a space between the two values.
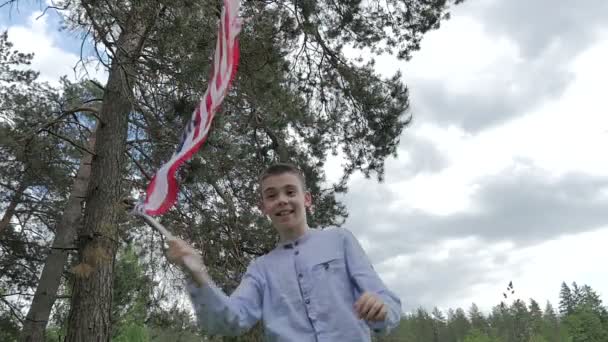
[34, 326]
[10, 211]
[89, 318]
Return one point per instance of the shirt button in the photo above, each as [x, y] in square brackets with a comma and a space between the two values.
[307, 301]
[300, 275]
[297, 252]
[296, 243]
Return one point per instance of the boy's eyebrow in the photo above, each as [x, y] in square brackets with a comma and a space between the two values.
[269, 189]
[288, 186]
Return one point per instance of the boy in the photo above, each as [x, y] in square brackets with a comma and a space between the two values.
[316, 285]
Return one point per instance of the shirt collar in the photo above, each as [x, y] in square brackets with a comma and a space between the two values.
[289, 244]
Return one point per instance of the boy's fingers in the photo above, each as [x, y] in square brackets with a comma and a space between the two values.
[177, 244]
[370, 307]
[360, 301]
[382, 314]
[375, 310]
[177, 250]
[365, 304]
[175, 253]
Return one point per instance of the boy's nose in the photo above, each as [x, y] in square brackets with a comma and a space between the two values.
[282, 199]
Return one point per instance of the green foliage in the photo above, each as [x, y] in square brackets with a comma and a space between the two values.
[476, 335]
[538, 338]
[585, 325]
[135, 314]
[478, 321]
[132, 290]
[132, 297]
[55, 334]
[521, 321]
[132, 332]
[9, 328]
[11, 63]
[161, 335]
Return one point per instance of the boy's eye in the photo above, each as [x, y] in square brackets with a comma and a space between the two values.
[291, 192]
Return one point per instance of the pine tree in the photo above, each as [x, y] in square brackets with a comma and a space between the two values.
[97, 241]
[439, 325]
[567, 300]
[521, 321]
[459, 325]
[551, 325]
[591, 300]
[536, 318]
[577, 294]
[502, 323]
[424, 325]
[478, 321]
[39, 143]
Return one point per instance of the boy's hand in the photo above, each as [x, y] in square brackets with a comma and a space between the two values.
[371, 308]
[183, 255]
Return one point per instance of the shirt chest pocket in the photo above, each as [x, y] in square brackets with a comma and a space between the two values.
[329, 268]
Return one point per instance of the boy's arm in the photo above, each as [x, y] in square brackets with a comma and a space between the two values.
[216, 312]
[231, 315]
[366, 279]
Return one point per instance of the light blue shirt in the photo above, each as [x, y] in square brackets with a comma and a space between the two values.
[303, 291]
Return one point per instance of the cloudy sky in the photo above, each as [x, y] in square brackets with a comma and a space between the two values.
[503, 175]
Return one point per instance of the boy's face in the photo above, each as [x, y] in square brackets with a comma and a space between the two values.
[285, 201]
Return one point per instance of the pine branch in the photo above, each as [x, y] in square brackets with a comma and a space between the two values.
[139, 166]
[14, 312]
[17, 294]
[8, 2]
[65, 113]
[70, 142]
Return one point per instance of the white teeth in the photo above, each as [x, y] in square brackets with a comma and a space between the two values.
[284, 212]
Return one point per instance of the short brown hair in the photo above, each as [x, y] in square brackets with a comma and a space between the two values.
[281, 168]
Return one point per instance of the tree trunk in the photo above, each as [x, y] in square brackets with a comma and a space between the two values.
[89, 318]
[10, 211]
[34, 326]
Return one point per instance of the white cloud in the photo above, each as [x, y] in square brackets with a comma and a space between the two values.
[569, 134]
[51, 61]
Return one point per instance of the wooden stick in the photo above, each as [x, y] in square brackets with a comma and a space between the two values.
[154, 224]
[196, 267]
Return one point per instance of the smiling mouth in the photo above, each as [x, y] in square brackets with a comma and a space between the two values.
[284, 213]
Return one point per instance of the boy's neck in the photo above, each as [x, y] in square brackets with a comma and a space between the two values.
[293, 233]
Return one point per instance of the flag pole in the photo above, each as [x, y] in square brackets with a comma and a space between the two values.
[156, 225]
[136, 210]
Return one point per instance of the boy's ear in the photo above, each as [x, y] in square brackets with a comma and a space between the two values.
[307, 199]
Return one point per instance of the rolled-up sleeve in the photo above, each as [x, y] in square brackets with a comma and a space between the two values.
[231, 315]
[366, 279]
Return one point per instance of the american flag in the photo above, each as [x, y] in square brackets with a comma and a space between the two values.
[163, 188]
